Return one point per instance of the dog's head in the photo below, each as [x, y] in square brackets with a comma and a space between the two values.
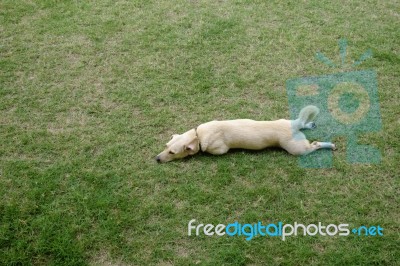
[180, 146]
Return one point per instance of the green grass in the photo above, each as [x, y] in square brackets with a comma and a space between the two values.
[90, 92]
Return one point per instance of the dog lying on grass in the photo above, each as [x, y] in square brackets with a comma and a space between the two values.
[217, 137]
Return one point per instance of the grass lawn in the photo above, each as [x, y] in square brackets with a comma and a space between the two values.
[90, 91]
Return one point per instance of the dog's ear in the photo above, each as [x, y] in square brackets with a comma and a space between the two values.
[193, 146]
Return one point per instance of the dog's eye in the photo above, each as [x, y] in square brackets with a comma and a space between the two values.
[171, 152]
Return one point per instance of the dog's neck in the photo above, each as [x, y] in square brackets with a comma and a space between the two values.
[197, 136]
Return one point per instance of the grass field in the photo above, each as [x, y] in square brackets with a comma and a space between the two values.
[90, 91]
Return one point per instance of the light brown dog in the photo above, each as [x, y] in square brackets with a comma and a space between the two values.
[217, 137]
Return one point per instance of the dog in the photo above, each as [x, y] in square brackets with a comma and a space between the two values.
[218, 137]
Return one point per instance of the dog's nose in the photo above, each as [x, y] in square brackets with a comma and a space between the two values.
[158, 159]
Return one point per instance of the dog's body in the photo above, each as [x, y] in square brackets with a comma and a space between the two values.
[217, 137]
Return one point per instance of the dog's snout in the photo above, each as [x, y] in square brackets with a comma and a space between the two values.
[158, 159]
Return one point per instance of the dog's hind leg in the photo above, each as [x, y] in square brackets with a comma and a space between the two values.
[297, 125]
[316, 145]
[303, 147]
[310, 125]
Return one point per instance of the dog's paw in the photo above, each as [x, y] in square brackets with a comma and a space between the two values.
[334, 147]
[312, 125]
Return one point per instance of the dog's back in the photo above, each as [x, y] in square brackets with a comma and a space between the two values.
[243, 133]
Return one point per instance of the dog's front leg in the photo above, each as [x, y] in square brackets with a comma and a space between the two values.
[217, 149]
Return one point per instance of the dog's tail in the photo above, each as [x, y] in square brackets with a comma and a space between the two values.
[306, 115]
